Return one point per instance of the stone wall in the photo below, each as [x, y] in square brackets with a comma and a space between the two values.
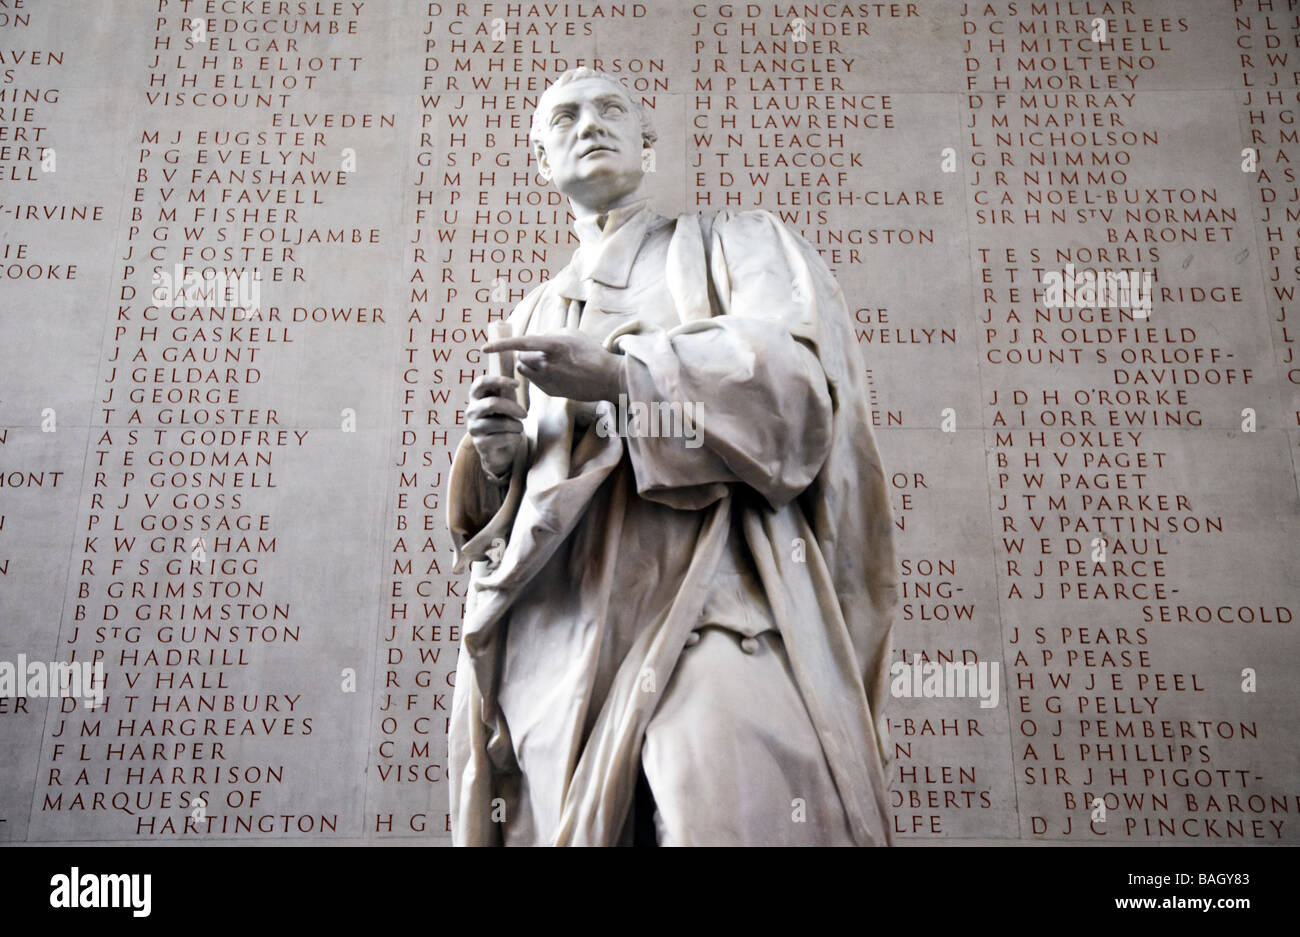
[241, 518]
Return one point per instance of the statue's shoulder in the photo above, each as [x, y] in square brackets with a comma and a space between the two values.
[754, 225]
[755, 232]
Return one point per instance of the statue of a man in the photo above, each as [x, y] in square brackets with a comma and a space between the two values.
[678, 530]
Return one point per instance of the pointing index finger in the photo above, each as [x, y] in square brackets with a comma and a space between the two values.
[520, 343]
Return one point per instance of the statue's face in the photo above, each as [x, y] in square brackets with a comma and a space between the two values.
[591, 138]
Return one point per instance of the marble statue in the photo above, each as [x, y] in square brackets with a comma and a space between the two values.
[677, 529]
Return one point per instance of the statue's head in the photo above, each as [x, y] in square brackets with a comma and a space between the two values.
[589, 136]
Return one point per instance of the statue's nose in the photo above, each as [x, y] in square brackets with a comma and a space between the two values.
[589, 124]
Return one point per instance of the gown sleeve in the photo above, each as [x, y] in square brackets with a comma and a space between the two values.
[746, 387]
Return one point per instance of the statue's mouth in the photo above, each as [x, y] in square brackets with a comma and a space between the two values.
[598, 148]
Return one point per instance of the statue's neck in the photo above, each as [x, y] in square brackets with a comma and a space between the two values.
[581, 209]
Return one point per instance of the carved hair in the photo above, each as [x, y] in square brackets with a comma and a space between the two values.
[648, 135]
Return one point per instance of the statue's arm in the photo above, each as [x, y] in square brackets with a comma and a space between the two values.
[474, 497]
[479, 501]
[750, 379]
[754, 404]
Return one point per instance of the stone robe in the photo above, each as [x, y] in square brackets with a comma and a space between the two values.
[712, 611]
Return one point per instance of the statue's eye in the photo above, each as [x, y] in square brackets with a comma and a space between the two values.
[614, 108]
[562, 118]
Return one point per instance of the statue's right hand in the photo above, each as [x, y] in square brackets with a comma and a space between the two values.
[495, 422]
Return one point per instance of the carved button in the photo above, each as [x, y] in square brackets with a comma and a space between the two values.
[693, 639]
[749, 645]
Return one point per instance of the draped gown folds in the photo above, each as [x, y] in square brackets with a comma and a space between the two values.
[704, 614]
